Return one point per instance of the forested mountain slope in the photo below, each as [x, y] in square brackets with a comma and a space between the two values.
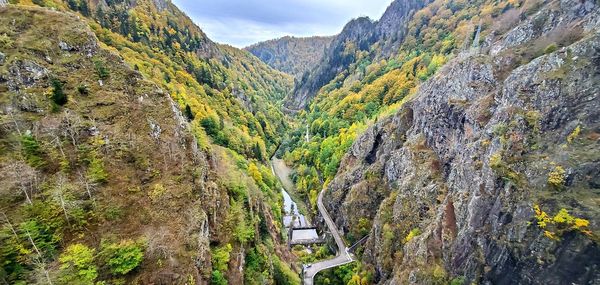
[460, 137]
[132, 149]
[291, 55]
[354, 44]
[486, 169]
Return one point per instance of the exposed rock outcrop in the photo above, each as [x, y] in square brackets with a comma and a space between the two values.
[467, 159]
[291, 55]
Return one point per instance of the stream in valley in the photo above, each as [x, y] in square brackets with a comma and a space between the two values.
[292, 213]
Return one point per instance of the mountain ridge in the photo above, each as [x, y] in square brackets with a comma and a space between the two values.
[362, 32]
[292, 55]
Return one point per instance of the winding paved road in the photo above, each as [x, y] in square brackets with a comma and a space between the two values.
[342, 256]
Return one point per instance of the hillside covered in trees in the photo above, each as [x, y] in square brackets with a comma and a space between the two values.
[458, 139]
[133, 149]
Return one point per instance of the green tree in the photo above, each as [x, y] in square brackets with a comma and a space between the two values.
[101, 70]
[58, 95]
[258, 154]
[188, 113]
[77, 265]
[84, 8]
[210, 126]
[282, 274]
[39, 2]
[83, 89]
[73, 4]
[32, 151]
[217, 278]
[122, 257]
[221, 257]
[96, 172]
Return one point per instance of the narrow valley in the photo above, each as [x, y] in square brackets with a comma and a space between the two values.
[442, 142]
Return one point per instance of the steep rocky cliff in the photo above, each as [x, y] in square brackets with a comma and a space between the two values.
[291, 55]
[489, 174]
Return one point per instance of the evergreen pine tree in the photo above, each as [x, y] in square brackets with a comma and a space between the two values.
[58, 95]
[188, 113]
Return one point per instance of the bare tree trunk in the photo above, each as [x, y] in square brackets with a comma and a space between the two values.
[26, 195]
[24, 189]
[71, 128]
[18, 172]
[15, 121]
[86, 184]
[10, 225]
[40, 257]
[60, 188]
[59, 145]
[241, 259]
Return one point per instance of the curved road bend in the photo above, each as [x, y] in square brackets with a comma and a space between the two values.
[342, 256]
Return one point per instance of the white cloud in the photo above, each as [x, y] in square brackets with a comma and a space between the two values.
[244, 22]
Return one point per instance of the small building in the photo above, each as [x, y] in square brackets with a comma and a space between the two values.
[306, 236]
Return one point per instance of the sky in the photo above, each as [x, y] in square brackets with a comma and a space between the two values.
[241, 23]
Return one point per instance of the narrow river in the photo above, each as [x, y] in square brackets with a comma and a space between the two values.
[292, 213]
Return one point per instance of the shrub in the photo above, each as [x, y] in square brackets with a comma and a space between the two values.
[496, 160]
[113, 213]
[77, 265]
[157, 191]
[574, 134]
[58, 95]
[565, 220]
[221, 257]
[96, 172]
[542, 217]
[556, 177]
[83, 89]
[6, 41]
[412, 234]
[32, 151]
[563, 217]
[458, 281]
[217, 278]
[500, 129]
[122, 257]
[562, 222]
[101, 70]
[550, 49]
[533, 119]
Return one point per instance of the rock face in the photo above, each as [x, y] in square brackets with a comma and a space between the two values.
[463, 165]
[358, 34]
[291, 55]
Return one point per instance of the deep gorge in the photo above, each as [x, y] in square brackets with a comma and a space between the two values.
[457, 140]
